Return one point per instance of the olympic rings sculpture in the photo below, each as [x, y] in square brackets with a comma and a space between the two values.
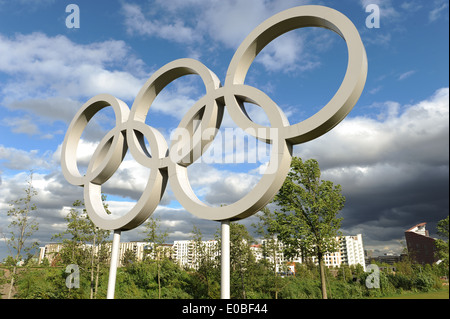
[131, 129]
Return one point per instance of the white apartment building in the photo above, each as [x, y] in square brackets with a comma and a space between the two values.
[138, 248]
[350, 252]
[50, 251]
[183, 252]
[267, 249]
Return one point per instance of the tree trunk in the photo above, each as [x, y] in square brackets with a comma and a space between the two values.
[207, 284]
[92, 267]
[12, 282]
[275, 269]
[243, 285]
[159, 278]
[96, 280]
[322, 276]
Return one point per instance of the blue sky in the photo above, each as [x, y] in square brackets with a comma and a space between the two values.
[390, 154]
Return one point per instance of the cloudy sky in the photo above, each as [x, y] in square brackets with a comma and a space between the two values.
[391, 154]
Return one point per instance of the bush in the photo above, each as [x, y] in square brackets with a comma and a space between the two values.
[299, 288]
[400, 281]
[49, 283]
[344, 290]
[424, 282]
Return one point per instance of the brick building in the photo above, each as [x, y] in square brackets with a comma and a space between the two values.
[421, 247]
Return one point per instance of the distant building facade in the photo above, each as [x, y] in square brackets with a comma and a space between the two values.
[185, 252]
[350, 252]
[421, 247]
[51, 251]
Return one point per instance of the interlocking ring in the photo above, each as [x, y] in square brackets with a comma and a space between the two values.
[170, 162]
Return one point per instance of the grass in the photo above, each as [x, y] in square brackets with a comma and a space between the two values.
[438, 294]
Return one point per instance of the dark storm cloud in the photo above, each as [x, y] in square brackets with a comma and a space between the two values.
[394, 172]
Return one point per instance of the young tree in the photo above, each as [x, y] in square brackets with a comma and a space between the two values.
[203, 257]
[23, 225]
[241, 257]
[156, 237]
[442, 244]
[129, 257]
[266, 227]
[308, 218]
[81, 233]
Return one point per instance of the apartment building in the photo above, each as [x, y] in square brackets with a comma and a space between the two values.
[350, 252]
[186, 252]
[139, 249]
[270, 248]
[50, 252]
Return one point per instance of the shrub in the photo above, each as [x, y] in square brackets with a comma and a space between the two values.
[424, 282]
[400, 281]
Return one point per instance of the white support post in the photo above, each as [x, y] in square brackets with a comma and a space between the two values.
[113, 265]
[225, 261]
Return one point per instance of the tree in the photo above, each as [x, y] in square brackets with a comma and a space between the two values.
[156, 237]
[266, 227]
[203, 258]
[23, 225]
[129, 257]
[83, 242]
[307, 219]
[241, 257]
[442, 244]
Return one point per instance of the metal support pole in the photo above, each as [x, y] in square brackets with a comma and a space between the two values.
[113, 265]
[225, 261]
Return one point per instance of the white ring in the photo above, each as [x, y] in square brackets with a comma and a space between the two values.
[131, 129]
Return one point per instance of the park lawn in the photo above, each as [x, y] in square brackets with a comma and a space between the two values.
[439, 294]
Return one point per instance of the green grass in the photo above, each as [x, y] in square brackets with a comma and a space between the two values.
[439, 294]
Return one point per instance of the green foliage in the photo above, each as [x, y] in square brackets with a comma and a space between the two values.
[49, 283]
[157, 276]
[309, 206]
[442, 245]
[424, 282]
[23, 224]
[307, 220]
[401, 281]
[299, 288]
[139, 280]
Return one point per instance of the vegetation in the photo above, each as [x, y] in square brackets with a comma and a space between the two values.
[147, 279]
[308, 219]
[23, 225]
[305, 221]
[442, 243]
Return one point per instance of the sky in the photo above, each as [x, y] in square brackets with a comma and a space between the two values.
[390, 154]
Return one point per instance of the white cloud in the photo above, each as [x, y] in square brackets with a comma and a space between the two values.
[417, 134]
[224, 23]
[406, 75]
[393, 168]
[282, 55]
[176, 31]
[380, 163]
[50, 109]
[14, 158]
[440, 8]
[387, 10]
[43, 67]
[21, 125]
